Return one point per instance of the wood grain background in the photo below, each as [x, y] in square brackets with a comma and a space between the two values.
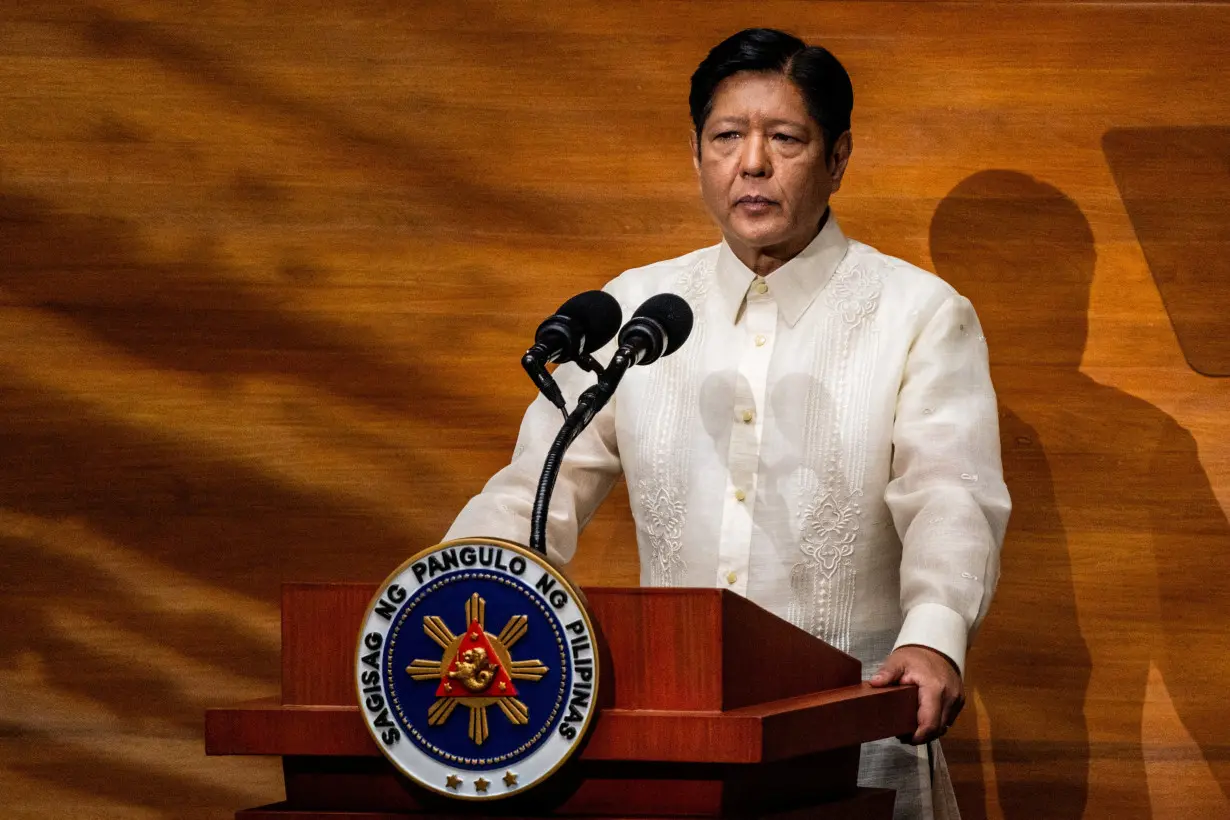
[266, 270]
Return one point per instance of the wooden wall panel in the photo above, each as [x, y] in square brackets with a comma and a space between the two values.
[266, 271]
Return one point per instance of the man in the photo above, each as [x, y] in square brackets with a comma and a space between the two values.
[826, 442]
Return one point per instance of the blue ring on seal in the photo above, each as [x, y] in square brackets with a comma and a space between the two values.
[505, 596]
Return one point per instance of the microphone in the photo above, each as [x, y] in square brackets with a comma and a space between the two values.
[658, 328]
[580, 326]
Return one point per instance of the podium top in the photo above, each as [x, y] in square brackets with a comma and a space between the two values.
[709, 650]
[696, 650]
[694, 675]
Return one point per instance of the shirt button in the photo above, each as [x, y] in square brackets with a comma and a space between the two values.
[760, 340]
[731, 577]
[740, 495]
[747, 416]
[761, 287]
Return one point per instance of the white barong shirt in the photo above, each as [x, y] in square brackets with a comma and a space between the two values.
[825, 443]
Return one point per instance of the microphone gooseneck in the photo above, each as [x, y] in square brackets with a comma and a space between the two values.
[658, 328]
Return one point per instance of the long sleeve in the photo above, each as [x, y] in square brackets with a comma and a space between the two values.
[947, 495]
[589, 470]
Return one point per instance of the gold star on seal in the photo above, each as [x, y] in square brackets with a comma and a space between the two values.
[454, 782]
[481, 785]
[510, 779]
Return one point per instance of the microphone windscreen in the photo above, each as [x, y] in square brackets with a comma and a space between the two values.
[673, 314]
[597, 313]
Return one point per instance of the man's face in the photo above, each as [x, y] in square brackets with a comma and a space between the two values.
[763, 174]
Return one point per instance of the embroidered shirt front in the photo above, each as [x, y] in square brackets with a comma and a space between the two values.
[825, 443]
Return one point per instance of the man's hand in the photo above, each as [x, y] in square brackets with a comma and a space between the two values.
[940, 691]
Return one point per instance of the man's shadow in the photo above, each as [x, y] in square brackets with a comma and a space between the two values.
[1114, 520]
[1031, 667]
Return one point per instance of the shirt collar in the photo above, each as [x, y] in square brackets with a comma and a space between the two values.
[795, 285]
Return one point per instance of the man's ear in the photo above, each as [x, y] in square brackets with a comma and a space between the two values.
[694, 144]
[841, 158]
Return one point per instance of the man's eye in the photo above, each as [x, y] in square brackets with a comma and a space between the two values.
[784, 138]
[727, 135]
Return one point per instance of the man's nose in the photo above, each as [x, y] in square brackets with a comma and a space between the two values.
[755, 158]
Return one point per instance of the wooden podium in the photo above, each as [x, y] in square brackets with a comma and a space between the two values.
[711, 707]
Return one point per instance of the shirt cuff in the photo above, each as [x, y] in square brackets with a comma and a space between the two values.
[937, 627]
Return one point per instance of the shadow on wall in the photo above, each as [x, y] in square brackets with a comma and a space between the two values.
[138, 572]
[1112, 511]
[1175, 185]
[185, 316]
[123, 550]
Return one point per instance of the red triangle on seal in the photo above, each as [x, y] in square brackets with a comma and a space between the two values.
[475, 671]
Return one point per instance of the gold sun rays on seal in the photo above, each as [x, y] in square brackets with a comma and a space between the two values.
[474, 664]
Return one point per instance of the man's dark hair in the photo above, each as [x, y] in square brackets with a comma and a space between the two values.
[818, 75]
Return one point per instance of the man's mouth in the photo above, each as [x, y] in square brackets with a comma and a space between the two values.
[755, 200]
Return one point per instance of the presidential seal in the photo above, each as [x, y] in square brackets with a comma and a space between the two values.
[477, 669]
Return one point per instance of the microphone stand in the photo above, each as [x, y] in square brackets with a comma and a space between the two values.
[534, 364]
[588, 404]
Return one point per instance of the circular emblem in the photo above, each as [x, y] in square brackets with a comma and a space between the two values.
[477, 669]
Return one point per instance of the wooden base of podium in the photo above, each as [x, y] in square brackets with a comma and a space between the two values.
[816, 786]
[864, 804]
